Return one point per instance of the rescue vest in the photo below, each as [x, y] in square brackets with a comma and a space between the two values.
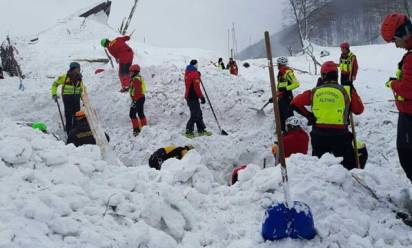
[287, 81]
[143, 85]
[399, 75]
[346, 64]
[331, 104]
[68, 88]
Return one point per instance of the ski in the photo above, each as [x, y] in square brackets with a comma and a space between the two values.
[97, 130]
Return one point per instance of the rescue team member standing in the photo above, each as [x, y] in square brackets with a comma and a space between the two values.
[72, 89]
[286, 83]
[137, 89]
[348, 65]
[397, 28]
[331, 104]
[123, 55]
[192, 95]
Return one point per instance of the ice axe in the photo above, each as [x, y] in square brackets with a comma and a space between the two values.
[222, 132]
[288, 219]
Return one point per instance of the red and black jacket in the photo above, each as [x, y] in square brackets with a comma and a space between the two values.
[402, 88]
[192, 83]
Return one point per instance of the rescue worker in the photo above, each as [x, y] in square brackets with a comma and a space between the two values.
[192, 95]
[220, 64]
[81, 134]
[348, 65]
[157, 158]
[397, 28]
[286, 83]
[72, 89]
[331, 105]
[123, 55]
[137, 91]
[295, 139]
[232, 67]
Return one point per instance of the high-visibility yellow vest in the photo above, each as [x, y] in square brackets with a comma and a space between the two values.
[288, 81]
[67, 87]
[346, 65]
[331, 104]
[141, 79]
[169, 149]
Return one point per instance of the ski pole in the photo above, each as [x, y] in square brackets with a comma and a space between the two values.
[60, 113]
[355, 144]
[223, 132]
[277, 120]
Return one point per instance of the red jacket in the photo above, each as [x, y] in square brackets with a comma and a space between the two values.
[120, 50]
[296, 141]
[192, 84]
[403, 87]
[305, 99]
[135, 88]
[233, 69]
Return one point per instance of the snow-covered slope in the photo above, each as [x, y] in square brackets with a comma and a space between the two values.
[53, 195]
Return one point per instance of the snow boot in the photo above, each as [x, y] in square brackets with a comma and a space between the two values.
[204, 133]
[189, 134]
[123, 90]
[136, 131]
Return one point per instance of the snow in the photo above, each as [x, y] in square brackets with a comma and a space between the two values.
[57, 195]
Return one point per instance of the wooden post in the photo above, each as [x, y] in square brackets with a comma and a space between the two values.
[277, 120]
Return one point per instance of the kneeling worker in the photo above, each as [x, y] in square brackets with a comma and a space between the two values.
[81, 134]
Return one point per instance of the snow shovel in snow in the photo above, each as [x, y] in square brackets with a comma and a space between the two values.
[261, 112]
[355, 143]
[222, 132]
[288, 219]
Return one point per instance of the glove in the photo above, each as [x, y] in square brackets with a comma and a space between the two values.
[202, 100]
[389, 82]
[55, 97]
[311, 119]
[271, 100]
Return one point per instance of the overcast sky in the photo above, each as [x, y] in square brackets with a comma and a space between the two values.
[167, 23]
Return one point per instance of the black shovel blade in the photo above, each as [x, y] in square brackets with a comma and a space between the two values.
[224, 132]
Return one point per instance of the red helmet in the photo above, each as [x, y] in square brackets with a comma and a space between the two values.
[344, 45]
[134, 68]
[391, 26]
[328, 66]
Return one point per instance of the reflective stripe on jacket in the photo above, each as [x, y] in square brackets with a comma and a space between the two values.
[287, 80]
[67, 86]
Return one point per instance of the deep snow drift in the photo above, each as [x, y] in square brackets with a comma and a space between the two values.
[53, 195]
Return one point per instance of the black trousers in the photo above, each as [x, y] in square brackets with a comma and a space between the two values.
[71, 106]
[137, 107]
[196, 116]
[337, 142]
[344, 80]
[404, 143]
[284, 109]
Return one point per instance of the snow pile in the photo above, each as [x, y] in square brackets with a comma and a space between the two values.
[53, 195]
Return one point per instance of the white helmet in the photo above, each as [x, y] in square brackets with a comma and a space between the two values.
[282, 60]
[293, 121]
